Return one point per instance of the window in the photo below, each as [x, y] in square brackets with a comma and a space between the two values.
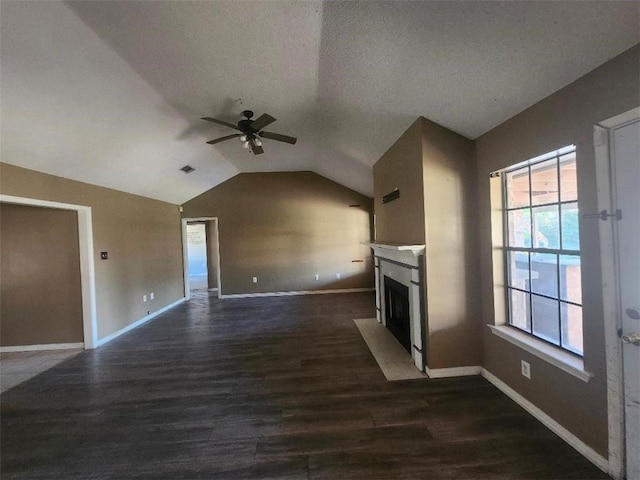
[542, 249]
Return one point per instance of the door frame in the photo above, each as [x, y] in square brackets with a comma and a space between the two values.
[87, 267]
[610, 300]
[185, 257]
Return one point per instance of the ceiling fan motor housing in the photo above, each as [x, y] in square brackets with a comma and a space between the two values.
[245, 126]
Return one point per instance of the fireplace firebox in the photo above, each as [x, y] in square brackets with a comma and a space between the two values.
[397, 311]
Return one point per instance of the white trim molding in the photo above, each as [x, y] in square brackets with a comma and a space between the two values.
[621, 119]
[143, 320]
[297, 292]
[87, 268]
[44, 346]
[185, 252]
[555, 356]
[582, 448]
[615, 394]
[452, 371]
[608, 262]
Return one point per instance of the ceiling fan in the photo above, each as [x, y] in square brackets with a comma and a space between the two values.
[251, 131]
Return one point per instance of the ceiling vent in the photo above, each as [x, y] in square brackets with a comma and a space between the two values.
[187, 169]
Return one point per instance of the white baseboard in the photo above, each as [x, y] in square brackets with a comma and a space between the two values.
[299, 292]
[452, 372]
[133, 325]
[584, 449]
[44, 346]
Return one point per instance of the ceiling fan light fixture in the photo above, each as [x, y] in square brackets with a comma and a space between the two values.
[250, 132]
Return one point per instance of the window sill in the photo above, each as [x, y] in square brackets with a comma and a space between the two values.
[563, 360]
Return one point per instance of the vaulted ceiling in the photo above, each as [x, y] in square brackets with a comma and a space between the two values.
[111, 92]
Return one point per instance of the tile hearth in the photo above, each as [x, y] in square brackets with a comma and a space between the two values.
[391, 357]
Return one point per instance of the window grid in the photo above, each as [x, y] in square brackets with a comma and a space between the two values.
[532, 249]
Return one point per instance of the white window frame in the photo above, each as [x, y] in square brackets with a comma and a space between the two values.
[528, 169]
[562, 359]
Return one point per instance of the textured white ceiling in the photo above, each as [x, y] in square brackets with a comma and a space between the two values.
[111, 92]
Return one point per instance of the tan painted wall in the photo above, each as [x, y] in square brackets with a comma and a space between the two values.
[434, 169]
[286, 227]
[563, 118]
[451, 254]
[212, 253]
[40, 291]
[142, 237]
[402, 220]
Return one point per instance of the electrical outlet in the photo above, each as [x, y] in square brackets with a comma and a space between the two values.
[317, 277]
[338, 275]
[254, 279]
[152, 295]
[144, 298]
[525, 368]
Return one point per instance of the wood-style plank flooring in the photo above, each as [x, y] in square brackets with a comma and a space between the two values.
[280, 387]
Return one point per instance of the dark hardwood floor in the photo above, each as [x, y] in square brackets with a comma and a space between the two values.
[280, 387]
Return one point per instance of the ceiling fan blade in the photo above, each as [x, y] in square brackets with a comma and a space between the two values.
[221, 122]
[261, 122]
[279, 137]
[222, 139]
[257, 150]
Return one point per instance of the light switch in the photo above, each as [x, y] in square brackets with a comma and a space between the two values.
[104, 256]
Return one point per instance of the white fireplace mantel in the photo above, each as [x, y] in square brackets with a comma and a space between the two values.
[406, 254]
[403, 263]
[414, 249]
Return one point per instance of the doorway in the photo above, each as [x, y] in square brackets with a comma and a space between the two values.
[40, 288]
[87, 269]
[617, 145]
[197, 256]
[201, 255]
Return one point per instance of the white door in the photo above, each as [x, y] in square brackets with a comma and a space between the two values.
[625, 143]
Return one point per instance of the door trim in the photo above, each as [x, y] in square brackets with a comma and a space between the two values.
[87, 268]
[608, 259]
[185, 257]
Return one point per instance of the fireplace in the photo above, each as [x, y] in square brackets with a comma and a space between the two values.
[397, 311]
[400, 291]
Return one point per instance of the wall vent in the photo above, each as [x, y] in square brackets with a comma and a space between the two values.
[187, 169]
[390, 197]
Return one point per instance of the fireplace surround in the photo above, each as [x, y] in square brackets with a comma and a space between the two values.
[402, 266]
